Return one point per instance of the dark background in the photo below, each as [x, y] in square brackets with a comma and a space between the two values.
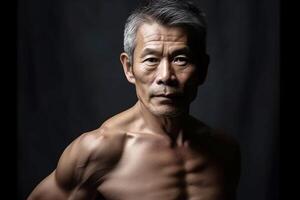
[70, 81]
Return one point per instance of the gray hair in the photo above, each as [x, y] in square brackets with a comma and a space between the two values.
[165, 12]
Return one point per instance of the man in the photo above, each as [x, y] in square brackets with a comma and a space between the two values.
[155, 150]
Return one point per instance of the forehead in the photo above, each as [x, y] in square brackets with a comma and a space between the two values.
[154, 32]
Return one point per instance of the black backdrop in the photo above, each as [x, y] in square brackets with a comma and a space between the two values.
[70, 80]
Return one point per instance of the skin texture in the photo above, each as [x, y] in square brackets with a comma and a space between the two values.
[155, 149]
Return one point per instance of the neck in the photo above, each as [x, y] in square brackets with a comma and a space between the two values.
[171, 126]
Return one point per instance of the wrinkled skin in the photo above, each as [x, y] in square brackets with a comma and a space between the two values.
[155, 150]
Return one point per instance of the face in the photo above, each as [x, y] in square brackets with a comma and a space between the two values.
[163, 70]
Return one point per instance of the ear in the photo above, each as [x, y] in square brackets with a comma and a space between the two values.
[203, 68]
[127, 67]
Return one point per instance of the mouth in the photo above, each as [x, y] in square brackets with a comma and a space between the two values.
[168, 95]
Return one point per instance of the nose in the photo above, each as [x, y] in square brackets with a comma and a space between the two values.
[165, 74]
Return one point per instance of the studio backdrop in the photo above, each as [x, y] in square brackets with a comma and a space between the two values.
[70, 80]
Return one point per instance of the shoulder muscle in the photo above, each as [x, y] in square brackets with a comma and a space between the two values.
[89, 158]
[82, 166]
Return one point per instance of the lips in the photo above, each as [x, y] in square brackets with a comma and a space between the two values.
[168, 95]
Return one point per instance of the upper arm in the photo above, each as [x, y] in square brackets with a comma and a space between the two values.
[60, 183]
[48, 189]
[81, 167]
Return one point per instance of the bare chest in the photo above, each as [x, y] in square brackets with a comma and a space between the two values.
[152, 170]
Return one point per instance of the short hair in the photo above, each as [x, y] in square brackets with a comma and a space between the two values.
[179, 13]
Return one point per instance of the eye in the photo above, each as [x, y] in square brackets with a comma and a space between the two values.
[151, 61]
[181, 60]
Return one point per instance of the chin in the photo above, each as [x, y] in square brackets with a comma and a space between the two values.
[166, 111]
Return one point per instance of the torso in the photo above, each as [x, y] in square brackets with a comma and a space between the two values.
[204, 166]
[150, 169]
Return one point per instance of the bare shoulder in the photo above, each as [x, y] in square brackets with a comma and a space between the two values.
[221, 148]
[102, 142]
[82, 166]
[217, 144]
[225, 139]
[214, 138]
[121, 122]
[106, 142]
[101, 147]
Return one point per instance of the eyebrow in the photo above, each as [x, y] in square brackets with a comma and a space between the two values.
[152, 51]
[184, 50]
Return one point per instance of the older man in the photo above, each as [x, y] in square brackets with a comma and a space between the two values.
[155, 150]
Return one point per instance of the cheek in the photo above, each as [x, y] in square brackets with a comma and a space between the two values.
[144, 76]
[143, 84]
[188, 78]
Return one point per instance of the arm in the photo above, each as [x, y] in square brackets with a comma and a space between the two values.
[42, 191]
[81, 168]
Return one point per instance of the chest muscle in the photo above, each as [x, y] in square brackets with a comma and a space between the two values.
[152, 171]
